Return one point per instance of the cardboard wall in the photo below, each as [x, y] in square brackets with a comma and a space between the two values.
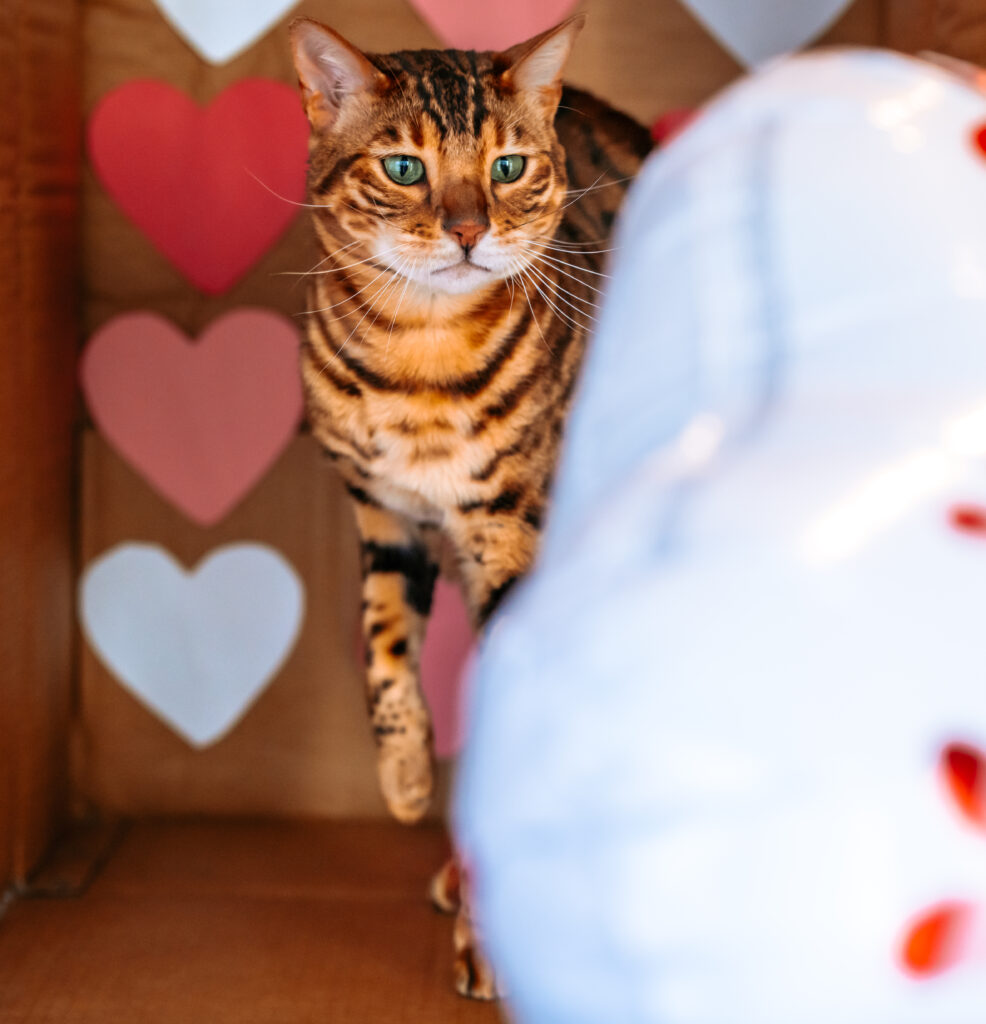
[40, 79]
[304, 747]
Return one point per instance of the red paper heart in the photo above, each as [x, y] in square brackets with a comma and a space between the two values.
[201, 421]
[477, 25]
[445, 658]
[199, 182]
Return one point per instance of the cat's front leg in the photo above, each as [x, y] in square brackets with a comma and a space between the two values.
[398, 581]
[495, 549]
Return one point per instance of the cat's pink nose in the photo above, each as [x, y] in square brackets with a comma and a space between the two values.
[467, 233]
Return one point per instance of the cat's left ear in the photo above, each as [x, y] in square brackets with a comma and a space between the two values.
[536, 66]
[331, 71]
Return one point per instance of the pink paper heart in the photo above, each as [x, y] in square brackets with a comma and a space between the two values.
[201, 422]
[445, 659]
[476, 25]
[204, 184]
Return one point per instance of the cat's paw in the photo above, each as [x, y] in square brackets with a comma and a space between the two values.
[444, 889]
[474, 978]
[406, 779]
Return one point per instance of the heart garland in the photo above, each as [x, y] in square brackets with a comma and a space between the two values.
[196, 648]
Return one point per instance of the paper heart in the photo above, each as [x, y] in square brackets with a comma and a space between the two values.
[474, 25]
[219, 30]
[760, 29]
[195, 648]
[211, 187]
[201, 422]
[445, 658]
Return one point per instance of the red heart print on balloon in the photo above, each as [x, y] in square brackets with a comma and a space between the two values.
[968, 519]
[202, 421]
[212, 187]
[940, 937]
[672, 123]
[477, 25]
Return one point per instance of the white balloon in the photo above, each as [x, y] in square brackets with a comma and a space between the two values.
[702, 780]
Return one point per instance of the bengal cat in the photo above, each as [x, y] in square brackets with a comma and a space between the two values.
[463, 202]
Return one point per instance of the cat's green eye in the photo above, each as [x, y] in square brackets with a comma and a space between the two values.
[508, 168]
[404, 169]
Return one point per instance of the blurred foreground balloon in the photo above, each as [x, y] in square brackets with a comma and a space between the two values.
[728, 748]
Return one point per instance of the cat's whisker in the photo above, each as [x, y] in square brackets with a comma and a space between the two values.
[369, 259]
[393, 319]
[596, 188]
[568, 243]
[363, 213]
[561, 291]
[379, 296]
[569, 249]
[565, 206]
[573, 250]
[560, 312]
[285, 199]
[534, 317]
[564, 273]
[550, 276]
[342, 302]
[348, 298]
[315, 271]
[558, 262]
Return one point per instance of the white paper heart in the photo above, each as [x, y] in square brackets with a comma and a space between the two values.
[196, 648]
[219, 30]
[756, 30]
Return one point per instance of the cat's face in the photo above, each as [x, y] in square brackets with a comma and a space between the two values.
[444, 165]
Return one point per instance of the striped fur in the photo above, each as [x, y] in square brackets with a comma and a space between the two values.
[441, 394]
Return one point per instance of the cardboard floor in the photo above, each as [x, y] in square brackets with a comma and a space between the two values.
[237, 923]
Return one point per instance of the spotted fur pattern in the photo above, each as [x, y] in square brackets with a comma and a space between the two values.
[447, 327]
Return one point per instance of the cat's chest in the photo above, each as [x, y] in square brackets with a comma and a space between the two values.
[426, 444]
[422, 452]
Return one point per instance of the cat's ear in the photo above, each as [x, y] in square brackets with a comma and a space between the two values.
[330, 71]
[536, 66]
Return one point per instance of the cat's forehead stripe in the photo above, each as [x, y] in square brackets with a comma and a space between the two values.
[450, 85]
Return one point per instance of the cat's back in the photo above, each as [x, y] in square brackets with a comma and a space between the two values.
[604, 149]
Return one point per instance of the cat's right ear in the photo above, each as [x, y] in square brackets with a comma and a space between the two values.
[330, 71]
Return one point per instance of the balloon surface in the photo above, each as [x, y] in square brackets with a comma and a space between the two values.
[726, 754]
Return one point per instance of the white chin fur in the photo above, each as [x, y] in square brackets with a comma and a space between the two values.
[457, 280]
